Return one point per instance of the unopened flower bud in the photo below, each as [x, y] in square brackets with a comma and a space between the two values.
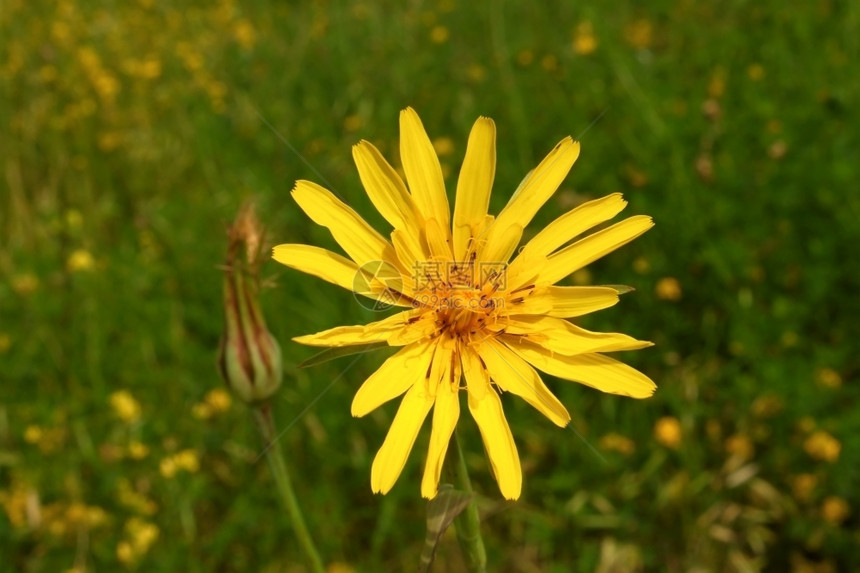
[249, 357]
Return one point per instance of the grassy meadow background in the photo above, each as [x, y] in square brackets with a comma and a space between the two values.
[131, 132]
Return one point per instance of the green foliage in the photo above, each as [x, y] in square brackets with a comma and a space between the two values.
[131, 133]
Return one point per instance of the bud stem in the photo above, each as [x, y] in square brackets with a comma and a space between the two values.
[275, 456]
[468, 523]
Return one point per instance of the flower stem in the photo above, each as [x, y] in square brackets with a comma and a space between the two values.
[266, 423]
[468, 523]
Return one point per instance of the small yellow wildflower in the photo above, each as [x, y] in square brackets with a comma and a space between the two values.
[25, 283]
[219, 400]
[584, 41]
[803, 485]
[740, 445]
[525, 57]
[353, 122]
[187, 460]
[641, 265]
[125, 406]
[822, 446]
[81, 260]
[755, 72]
[443, 146]
[33, 434]
[639, 34]
[168, 467]
[766, 406]
[835, 510]
[137, 450]
[245, 34]
[617, 443]
[668, 288]
[667, 431]
[828, 378]
[5, 342]
[439, 34]
[476, 306]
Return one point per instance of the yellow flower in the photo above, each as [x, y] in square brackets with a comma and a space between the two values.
[125, 406]
[618, 443]
[584, 41]
[802, 486]
[668, 288]
[80, 260]
[667, 430]
[471, 312]
[822, 446]
[835, 510]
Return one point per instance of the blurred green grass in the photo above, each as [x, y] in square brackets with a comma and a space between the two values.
[130, 134]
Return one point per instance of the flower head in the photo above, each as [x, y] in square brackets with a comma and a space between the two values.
[474, 312]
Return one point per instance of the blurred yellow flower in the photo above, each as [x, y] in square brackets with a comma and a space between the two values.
[641, 265]
[186, 460]
[140, 535]
[617, 443]
[740, 445]
[125, 406]
[137, 450]
[245, 34]
[802, 486]
[474, 305]
[525, 57]
[340, 567]
[828, 378]
[80, 261]
[443, 146]
[439, 34]
[353, 122]
[755, 72]
[219, 400]
[639, 34]
[835, 510]
[25, 283]
[167, 467]
[33, 434]
[822, 446]
[584, 41]
[667, 431]
[766, 406]
[5, 342]
[668, 288]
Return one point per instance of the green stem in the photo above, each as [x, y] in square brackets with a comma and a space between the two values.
[275, 456]
[468, 523]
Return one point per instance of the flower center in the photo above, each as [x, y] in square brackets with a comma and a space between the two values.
[462, 312]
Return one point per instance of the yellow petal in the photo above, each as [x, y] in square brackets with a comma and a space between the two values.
[477, 377]
[512, 374]
[423, 172]
[534, 192]
[393, 378]
[379, 331]
[560, 336]
[360, 241]
[318, 262]
[499, 443]
[566, 227]
[593, 247]
[391, 457]
[595, 370]
[438, 240]
[560, 301]
[386, 189]
[446, 411]
[474, 185]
